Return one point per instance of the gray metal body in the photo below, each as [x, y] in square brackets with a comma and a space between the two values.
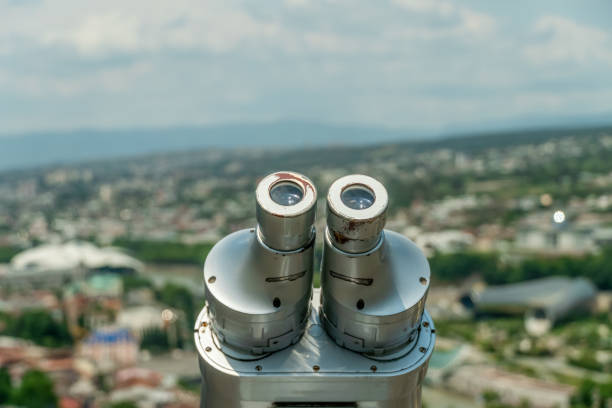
[364, 340]
[373, 301]
[285, 228]
[314, 370]
[356, 230]
[257, 297]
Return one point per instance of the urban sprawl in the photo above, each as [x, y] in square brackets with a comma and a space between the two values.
[100, 266]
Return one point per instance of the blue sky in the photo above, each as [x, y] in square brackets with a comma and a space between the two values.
[430, 66]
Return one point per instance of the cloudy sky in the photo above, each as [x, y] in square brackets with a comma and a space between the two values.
[430, 65]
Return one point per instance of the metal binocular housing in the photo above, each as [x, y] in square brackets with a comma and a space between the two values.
[266, 338]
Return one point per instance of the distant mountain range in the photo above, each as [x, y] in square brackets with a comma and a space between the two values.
[48, 148]
[44, 148]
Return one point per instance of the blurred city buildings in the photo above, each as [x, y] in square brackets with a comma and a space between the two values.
[100, 264]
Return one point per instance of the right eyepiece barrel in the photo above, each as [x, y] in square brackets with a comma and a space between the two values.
[374, 281]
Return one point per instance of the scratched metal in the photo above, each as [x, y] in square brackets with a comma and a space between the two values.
[314, 370]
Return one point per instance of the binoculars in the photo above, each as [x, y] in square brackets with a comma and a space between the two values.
[266, 338]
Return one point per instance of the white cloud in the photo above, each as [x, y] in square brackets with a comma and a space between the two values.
[464, 21]
[100, 33]
[116, 26]
[187, 26]
[560, 39]
[112, 81]
[441, 7]
[399, 63]
[476, 23]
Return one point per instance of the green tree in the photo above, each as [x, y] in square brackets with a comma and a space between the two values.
[5, 386]
[5, 322]
[7, 253]
[122, 404]
[587, 360]
[40, 327]
[166, 251]
[36, 391]
[584, 395]
[132, 282]
[493, 400]
[586, 392]
[155, 340]
[459, 265]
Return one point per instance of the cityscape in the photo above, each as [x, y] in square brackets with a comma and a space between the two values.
[101, 265]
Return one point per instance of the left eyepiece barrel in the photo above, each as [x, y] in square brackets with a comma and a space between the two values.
[258, 281]
[286, 205]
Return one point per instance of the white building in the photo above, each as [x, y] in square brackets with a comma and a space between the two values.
[141, 318]
[542, 301]
[73, 255]
[55, 265]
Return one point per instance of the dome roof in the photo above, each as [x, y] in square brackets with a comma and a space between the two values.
[72, 255]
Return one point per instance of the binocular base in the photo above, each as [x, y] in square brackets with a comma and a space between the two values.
[315, 372]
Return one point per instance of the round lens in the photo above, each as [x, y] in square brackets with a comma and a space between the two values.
[358, 197]
[286, 194]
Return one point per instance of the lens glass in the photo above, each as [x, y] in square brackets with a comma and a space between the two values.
[286, 193]
[357, 197]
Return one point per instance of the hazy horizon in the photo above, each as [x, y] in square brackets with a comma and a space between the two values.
[82, 145]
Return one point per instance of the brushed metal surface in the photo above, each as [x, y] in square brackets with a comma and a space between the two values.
[373, 302]
[356, 230]
[313, 370]
[258, 298]
[286, 227]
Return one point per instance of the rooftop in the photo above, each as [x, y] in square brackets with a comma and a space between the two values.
[72, 255]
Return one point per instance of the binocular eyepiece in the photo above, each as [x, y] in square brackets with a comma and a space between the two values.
[261, 306]
[374, 282]
[258, 281]
[356, 210]
[286, 205]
